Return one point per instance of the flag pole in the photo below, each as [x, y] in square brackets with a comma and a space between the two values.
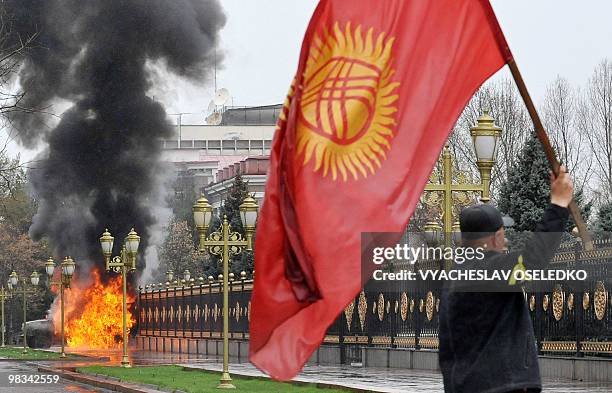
[548, 150]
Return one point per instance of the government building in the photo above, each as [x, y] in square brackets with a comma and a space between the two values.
[213, 154]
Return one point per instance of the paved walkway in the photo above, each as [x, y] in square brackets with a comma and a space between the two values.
[375, 379]
[390, 380]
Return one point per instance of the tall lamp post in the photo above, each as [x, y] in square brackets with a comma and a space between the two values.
[67, 266]
[4, 295]
[485, 137]
[225, 243]
[25, 290]
[123, 263]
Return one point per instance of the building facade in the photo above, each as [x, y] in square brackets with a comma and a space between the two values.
[202, 151]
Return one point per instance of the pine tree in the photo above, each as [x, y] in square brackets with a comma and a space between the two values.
[585, 209]
[603, 225]
[231, 205]
[231, 208]
[526, 192]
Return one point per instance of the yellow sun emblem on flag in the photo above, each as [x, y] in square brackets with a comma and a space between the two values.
[348, 106]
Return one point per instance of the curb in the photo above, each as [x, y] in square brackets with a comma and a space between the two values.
[115, 385]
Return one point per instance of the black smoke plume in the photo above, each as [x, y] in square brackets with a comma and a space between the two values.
[101, 164]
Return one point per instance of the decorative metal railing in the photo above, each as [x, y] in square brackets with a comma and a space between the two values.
[570, 321]
[194, 311]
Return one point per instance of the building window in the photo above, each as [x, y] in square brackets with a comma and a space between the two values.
[229, 145]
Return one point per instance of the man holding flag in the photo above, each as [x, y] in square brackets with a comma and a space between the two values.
[378, 88]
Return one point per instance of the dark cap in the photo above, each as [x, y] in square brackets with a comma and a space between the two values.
[479, 221]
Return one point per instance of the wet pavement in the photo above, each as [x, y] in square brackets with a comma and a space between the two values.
[375, 379]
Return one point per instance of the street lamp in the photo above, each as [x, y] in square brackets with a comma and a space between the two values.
[4, 295]
[25, 290]
[225, 243]
[67, 266]
[123, 263]
[485, 137]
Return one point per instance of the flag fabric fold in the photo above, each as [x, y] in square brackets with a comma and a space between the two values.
[378, 88]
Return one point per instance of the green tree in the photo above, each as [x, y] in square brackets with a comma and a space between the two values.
[20, 254]
[526, 192]
[17, 209]
[603, 225]
[231, 209]
[231, 205]
[178, 254]
[183, 199]
[586, 206]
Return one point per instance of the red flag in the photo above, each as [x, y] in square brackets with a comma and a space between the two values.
[378, 88]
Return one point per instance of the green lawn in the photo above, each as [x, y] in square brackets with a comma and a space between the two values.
[33, 354]
[175, 377]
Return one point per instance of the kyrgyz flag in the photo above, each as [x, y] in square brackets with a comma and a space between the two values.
[378, 88]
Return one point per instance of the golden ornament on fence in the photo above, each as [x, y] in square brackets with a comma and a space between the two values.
[600, 300]
[381, 306]
[429, 306]
[532, 302]
[570, 301]
[558, 301]
[421, 305]
[361, 309]
[545, 302]
[586, 301]
[396, 308]
[411, 305]
[348, 313]
[404, 306]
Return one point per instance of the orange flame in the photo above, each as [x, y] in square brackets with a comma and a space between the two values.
[93, 314]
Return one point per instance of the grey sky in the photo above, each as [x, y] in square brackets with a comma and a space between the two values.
[262, 39]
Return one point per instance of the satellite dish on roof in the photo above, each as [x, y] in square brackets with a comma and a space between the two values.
[214, 119]
[211, 106]
[221, 96]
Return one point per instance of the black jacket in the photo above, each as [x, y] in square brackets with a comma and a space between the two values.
[487, 343]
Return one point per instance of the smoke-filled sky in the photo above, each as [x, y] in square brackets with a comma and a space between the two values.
[257, 55]
[99, 165]
[261, 41]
